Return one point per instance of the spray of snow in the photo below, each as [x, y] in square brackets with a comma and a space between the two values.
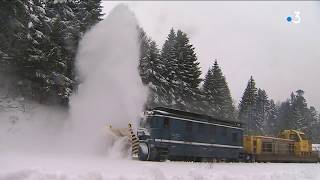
[111, 91]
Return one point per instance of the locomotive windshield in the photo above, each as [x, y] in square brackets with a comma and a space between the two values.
[145, 122]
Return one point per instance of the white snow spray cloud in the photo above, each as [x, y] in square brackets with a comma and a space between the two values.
[111, 91]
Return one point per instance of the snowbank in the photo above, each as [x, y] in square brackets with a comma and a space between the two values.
[66, 167]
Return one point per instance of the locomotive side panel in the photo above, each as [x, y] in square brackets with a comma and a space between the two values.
[176, 137]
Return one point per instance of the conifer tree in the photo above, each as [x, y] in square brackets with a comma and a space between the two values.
[262, 111]
[295, 114]
[144, 41]
[272, 119]
[247, 106]
[88, 13]
[39, 43]
[217, 93]
[157, 81]
[14, 18]
[284, 116]
[299, 111]
[170, 61]
[152, 70]
[314, 125]
[188, 74]
[210, 107]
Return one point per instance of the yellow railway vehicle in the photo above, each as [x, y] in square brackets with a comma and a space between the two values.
[289, 146]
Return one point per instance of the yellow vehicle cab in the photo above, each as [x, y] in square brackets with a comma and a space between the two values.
[289, 146]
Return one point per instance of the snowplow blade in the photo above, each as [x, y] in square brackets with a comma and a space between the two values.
[127, 132]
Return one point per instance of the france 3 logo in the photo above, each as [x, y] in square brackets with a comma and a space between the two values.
[296, 18]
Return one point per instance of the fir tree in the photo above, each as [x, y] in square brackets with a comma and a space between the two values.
[314, 125]
[152, 70]
[170, 61]
[284, 116]
[262, 111]
[217, 93]
[14, 18]
[39, 43]
[299, 111]
[210, 107]
[272, 119]
[157, 81]
[89, 13]
[188, 74]
[144, 56]
[247, 106]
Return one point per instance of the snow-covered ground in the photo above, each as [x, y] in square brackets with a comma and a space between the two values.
[65, 167]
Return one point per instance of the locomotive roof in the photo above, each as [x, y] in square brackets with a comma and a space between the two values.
[194, 116]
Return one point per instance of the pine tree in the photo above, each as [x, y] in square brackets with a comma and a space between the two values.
[188, 74]
[14, 18]
[157, 81]
[152, 70]
[299, 111]
[262, 111]
[272, 119]
[170, 61]
[54, 72]
[284, 116]
[210, 107]
[144, 56]
[39, 43]
[295, 114]
[313, 127]
[88, 13]
[247, 106]
[217, 93]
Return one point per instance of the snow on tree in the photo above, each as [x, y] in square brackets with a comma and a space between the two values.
[144, 56]
[262, 111]
[299, 111]
[151, 70]
[170, 60]
[88, 13]
[314, 124]
[247, 106]
[217, 94]
[39, 43]
[271, 127]
[188, 74]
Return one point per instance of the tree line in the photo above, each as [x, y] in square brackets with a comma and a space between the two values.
[172, 74]
[38, 46]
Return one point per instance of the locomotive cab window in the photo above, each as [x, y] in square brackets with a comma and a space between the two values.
[166, 123]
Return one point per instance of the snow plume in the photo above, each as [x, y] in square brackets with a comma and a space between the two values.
[111, 91]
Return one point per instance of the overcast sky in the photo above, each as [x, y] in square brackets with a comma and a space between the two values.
[247, 38]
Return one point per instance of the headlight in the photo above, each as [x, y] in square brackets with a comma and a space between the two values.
[144, 148]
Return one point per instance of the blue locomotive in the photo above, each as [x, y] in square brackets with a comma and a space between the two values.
[178, 135]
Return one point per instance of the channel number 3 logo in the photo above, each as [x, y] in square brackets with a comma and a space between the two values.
[296, 19]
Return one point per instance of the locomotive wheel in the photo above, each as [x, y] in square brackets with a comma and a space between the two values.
[144, 152]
